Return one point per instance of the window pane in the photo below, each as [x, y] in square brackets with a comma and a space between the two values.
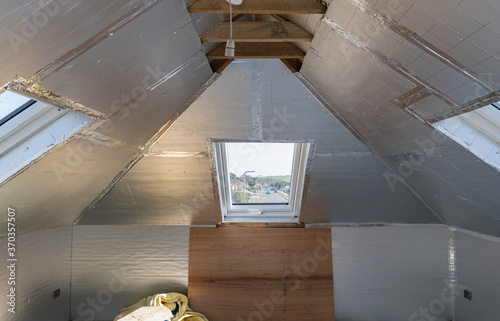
[9, 102]
[260, 173]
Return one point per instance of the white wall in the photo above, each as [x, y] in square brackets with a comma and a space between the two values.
[116, 266]
[389, 273]
[43, 265]
[478, 269]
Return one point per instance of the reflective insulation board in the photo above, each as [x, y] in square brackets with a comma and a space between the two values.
[116, 266]
[478, 262]
[390, 272]
[41, 275]
[258, 100]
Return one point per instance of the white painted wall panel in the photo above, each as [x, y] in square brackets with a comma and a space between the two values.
[116, 266]
[43, 266]
[389, 273]
[478, 266]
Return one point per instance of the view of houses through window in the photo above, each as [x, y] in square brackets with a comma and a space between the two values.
[260, 173]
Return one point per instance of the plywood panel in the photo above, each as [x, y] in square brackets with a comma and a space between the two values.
[249, 31]
[259, 6]
[264, 50]
[261, 274]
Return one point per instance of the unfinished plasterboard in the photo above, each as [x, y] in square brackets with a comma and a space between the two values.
[257, 100]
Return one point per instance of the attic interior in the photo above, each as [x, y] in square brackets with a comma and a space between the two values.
[112, 200]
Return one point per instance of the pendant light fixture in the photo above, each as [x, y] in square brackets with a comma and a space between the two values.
[230, 47]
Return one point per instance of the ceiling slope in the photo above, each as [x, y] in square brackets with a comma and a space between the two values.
[34, 34]
[135, 73]
[388, 68]
[257, 100]
[371, 73]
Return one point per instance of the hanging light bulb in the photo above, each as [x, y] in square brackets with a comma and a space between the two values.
[230, 47]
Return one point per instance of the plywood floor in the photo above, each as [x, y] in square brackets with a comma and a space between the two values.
[256, 274]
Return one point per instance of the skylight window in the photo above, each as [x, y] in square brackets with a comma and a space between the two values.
[261, 181]
[12, 105]
[478, 131]
[29, 128]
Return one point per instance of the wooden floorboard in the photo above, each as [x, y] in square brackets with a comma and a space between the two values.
[249, 31]
[255, 50]
[252, 273]
[259, 7]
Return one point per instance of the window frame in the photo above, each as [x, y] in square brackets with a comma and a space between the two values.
[30, 128]
[26, 121]
[17, 111]
[486, 120]
[261, 212]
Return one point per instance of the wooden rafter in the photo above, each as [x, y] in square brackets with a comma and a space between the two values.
[263, 50]
[260, 39]
[220, 64]
[274, 31]
[259, 7]
[292, 64]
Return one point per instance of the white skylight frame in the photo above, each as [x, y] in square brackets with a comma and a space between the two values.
[487, 120]
[261, 212]
[27, 123]
[29, 128]
[478, 131]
